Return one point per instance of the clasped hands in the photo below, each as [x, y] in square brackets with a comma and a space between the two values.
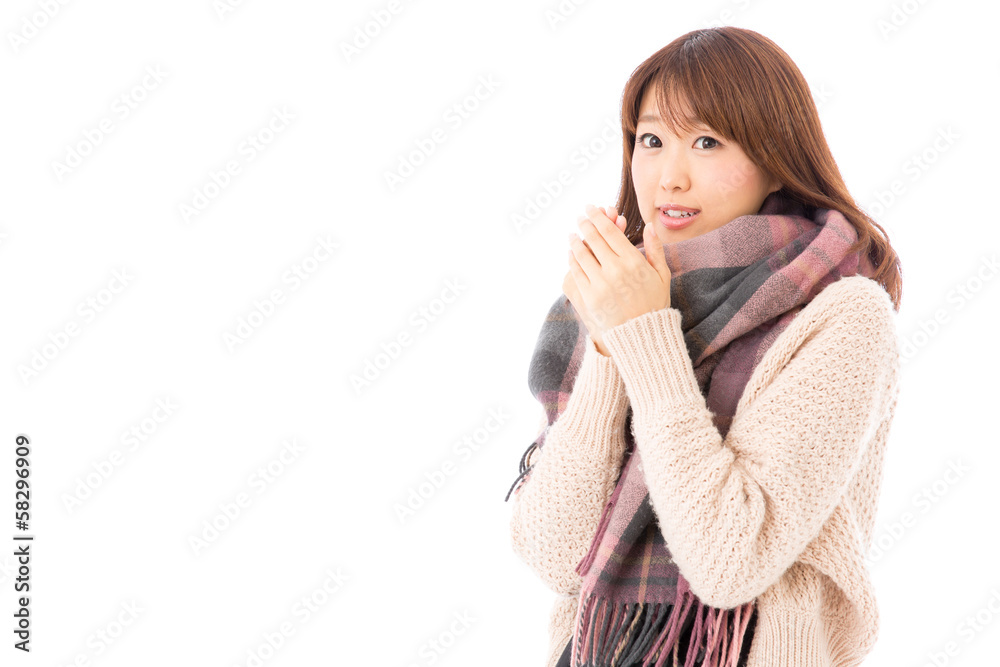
[609, 280]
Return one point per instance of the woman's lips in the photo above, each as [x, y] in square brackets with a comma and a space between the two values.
[676, 223]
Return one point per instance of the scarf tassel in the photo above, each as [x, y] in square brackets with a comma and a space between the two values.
[626, 634]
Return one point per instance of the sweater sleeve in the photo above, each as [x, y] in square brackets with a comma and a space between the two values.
[558, 506]
[737, 512]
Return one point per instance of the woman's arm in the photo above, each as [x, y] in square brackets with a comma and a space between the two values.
[559, 504]
[736, 513]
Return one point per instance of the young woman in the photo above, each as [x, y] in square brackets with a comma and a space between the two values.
[719, 380]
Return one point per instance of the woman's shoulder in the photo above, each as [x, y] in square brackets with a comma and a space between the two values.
[855, 288]
[848, 315]
[847, 332]
[852, 301]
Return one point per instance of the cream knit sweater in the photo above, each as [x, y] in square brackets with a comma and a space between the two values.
[782, 510]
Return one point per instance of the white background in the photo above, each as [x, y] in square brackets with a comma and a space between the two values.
[883, 98]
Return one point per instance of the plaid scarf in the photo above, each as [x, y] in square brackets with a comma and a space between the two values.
[737, 288]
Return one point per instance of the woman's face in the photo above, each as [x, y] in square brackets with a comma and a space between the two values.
[697, 171]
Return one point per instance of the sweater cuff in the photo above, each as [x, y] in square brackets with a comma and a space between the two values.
[653, 360]
[595, 412]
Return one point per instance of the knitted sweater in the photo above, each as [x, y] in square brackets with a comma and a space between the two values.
[782, 510]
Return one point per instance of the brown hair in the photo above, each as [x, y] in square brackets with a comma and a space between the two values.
[746, 88]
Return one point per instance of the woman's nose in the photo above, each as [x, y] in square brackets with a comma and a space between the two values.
[674, 174]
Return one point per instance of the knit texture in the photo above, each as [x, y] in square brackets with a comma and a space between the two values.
[780, 510]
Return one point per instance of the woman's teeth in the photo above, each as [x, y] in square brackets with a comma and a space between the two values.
[679, 214]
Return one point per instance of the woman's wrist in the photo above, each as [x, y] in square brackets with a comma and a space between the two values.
[600, 347]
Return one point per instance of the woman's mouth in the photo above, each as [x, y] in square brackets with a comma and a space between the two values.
[678, 219]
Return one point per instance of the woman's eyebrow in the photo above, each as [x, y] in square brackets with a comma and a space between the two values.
[696, 125]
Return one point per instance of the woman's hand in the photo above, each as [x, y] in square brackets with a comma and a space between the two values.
[609, 280]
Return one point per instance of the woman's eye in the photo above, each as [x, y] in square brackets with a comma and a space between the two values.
[642, 140]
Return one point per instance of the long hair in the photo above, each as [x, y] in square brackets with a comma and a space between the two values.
[747, 89]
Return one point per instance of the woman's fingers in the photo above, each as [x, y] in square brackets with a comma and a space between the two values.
[604, 234]
[612, 214]
[581, 259]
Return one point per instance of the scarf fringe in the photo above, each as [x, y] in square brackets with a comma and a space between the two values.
[625, 634]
